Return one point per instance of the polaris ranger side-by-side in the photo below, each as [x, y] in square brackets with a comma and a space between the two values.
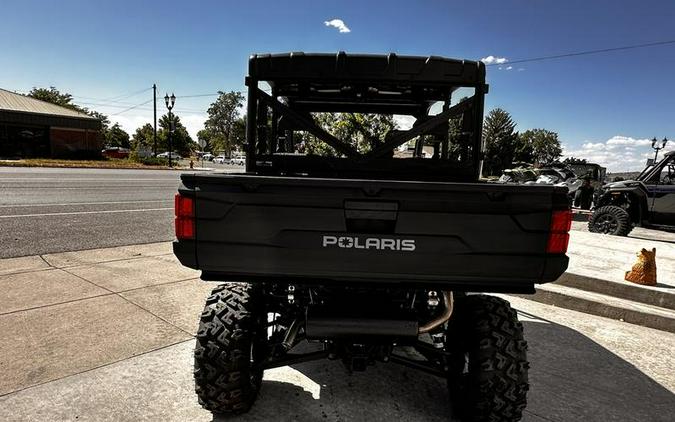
[648, 201]
[365, 256]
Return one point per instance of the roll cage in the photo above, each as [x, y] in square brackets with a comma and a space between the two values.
[654, 170]
[303, 84]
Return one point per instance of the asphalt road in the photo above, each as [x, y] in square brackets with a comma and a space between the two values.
[47, 210]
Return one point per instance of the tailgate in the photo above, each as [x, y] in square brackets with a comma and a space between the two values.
[462, 236]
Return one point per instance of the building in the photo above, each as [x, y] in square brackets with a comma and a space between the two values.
[34, 128]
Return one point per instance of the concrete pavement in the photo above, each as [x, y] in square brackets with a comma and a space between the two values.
[44, 210]
[594, 282]
[107, 335]
[47, 210]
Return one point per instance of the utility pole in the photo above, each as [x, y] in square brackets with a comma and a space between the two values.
[154, 127]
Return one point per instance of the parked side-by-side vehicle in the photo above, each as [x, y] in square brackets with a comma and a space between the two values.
[647, 201]
[365, 256]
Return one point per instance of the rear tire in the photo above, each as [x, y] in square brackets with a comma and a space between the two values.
[488, 366]
[227, 374]
[610, 219]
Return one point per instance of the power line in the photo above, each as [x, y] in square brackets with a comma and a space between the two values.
[197, 95]
[100, 101]
[114, 99]
[115, 104]
[583, 53]
[127, 106]
[131, 108]
[124, 96]
[137, 107]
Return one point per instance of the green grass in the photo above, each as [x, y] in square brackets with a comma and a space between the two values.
[117, 163]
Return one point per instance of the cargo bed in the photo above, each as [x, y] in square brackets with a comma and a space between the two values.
[459, 236]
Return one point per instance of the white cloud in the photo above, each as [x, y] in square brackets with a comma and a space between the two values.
[339, 24]
[618, 154]
[131, 122]
[625, 140]
[509, 67]
[494, 60]
[193, 123]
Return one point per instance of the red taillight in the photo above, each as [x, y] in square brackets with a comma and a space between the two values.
[184, 208]
[559, 238]
[185, 228]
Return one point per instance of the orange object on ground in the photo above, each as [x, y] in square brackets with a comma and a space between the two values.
[644, 270]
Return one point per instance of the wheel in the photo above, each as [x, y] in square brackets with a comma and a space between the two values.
[610, 219]
[487, 376]
[229, 340]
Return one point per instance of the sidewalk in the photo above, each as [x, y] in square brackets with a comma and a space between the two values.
[101, 306]
[107, 335]
[594, 282]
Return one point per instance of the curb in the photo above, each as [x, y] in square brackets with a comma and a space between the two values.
[604, 306]
[621, 290]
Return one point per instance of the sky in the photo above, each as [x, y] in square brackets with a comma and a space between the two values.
[604, 107]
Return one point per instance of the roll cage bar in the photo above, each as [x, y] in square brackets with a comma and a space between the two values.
[651, 171]
[302, 84]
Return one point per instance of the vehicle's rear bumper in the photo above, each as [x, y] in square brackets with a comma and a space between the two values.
[185, 251]
[494, 273]
[235, 266]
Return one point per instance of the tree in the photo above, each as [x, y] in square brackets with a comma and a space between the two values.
[143, 139]
[223, 115]
[54, 96]
[239, 132]
[181, 142]
[500, 140]
[543, 145]
[116, 137]
[574, 160]
[363, 131]
[205, 140]
[105, 122]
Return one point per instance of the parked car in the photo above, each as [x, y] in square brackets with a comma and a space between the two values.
[174, 155]
[207, 157]
[238, 160]
[116, 152]
[220, 159]
[361, 252]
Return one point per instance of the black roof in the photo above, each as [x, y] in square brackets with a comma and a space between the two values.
[364, 82]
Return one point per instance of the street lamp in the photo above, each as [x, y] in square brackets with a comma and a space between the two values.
[170, 101]
[657, 148]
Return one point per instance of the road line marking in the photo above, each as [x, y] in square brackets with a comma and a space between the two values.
[84, 203]
[84, 212]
